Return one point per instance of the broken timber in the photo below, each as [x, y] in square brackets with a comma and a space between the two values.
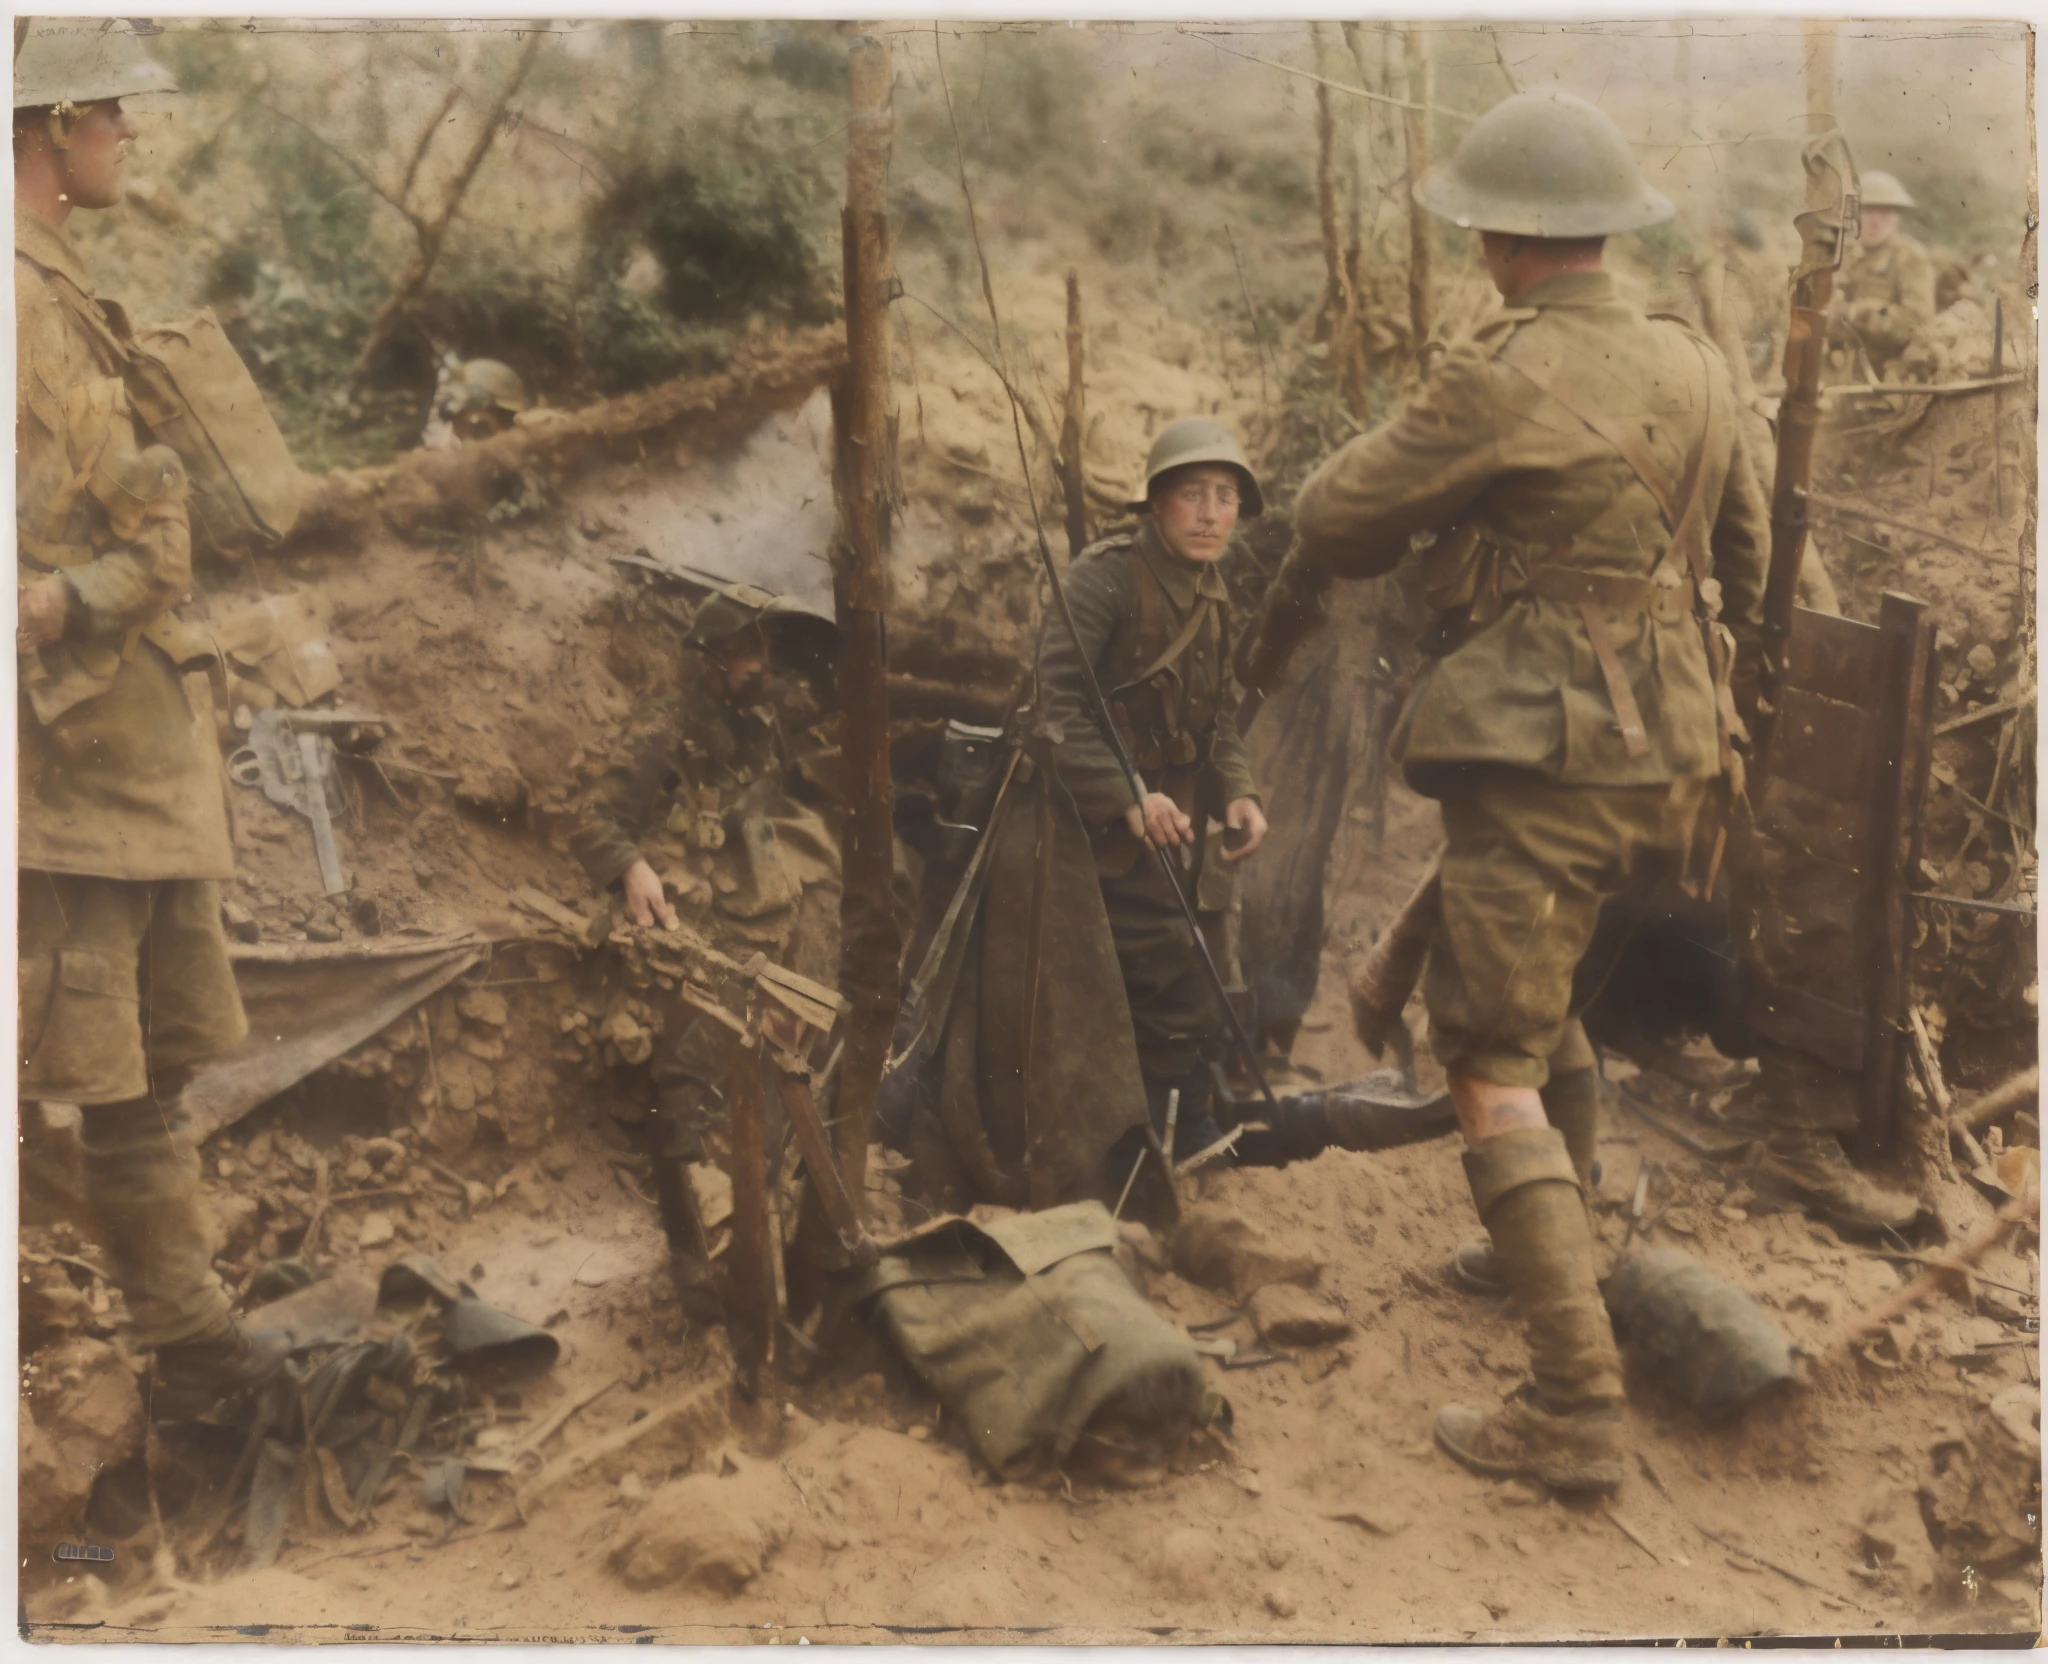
[426, 488]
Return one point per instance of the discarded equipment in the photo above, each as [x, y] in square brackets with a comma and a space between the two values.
[294, 766]
[1704, 1338]
[1030, 1333]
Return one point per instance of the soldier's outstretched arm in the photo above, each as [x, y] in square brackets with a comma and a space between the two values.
[1356, 512]
[603, 838]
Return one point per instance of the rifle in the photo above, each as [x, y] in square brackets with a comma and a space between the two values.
[1831, 217]
[1098, 706]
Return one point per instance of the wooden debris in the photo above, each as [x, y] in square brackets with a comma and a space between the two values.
[2022, 1089]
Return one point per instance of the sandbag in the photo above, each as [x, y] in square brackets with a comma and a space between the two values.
[1707, 1340]
[194, 393]
[1029, 1331]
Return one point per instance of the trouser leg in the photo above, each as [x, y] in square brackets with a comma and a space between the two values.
[142, 1184]
[125, 987]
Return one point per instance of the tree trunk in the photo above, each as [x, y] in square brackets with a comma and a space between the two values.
[1421, 90]
[865, 484]
[1074, 426]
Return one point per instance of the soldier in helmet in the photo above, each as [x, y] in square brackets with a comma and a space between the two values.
[715, 817]
[1576, 482]
[473, 400]
[1885, 291]
[124, 976]
[1153, 619]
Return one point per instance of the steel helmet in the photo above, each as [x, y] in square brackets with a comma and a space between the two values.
[481, 384]
[728, 612]
[81, 61]
[1198, 440]
[1883, 190]
[1544, 164]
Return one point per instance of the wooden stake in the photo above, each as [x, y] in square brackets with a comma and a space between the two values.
[1421, 92]
[864, 481]
[751, 1316]
[1073, 426]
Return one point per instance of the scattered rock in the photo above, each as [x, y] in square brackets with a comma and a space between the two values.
[1222, 1250]
[1281, 1602]
[241, 923]
[1374, 1516]
[81, 1411]
[1290, 1316]
[482, 1005]
[493, 790]
[714, 1532]
[375, 1230]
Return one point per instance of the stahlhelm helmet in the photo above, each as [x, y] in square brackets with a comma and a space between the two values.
[1544, 164]
[1193, 440]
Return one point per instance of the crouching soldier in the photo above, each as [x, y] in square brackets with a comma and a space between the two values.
[124, 977]
[1152, 616]
[1587, 503]
[715, 818]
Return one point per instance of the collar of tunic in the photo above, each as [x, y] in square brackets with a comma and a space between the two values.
[1182, 580]
[49, 248]
[1569, 289]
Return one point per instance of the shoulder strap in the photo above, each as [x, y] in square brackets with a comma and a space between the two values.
[1634, 450]
[1152, 610]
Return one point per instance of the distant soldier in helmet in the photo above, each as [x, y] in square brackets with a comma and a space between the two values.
[716, 816]
[473, 400]
[1885, 291]
[1153, 618]
[124, 976]
[1578, 487]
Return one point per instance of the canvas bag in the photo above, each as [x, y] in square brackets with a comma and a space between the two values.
[1029, 1331]
[193, 392]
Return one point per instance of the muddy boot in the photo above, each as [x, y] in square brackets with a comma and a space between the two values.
[1571, 1103]
[1565, 1431]
[1812, 1167]
[673, 1143]
[197, 1376]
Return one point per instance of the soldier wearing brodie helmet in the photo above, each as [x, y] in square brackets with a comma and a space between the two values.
[124, 976]
[1580, 488]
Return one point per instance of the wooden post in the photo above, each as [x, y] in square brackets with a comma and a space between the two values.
[1336, 280]
[1904, 729]
[864, 483]
[1421, 90]
[1073, 426]
[750, 1319]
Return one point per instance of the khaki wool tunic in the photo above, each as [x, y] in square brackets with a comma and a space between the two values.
[1886, 293]
[127, 782]
[1503, 477]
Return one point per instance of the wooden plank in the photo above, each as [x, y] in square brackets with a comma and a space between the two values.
[1901, 759]
[1826, 745]
[1812, 825]
[1836, 657]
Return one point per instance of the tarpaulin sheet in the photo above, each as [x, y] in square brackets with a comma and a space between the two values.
[308, 1003]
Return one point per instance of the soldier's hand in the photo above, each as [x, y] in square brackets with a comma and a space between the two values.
[645, 901]
[44, 608]
[1160, 824]
[1247, 821]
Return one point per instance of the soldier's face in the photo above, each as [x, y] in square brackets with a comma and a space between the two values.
[1196, 511]
[95, 164]
[743, 673]
[1879, 224]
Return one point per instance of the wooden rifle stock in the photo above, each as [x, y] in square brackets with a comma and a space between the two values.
[1384, 979]
[1830, 218]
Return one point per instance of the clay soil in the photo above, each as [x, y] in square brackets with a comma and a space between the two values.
[1892, 1491]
